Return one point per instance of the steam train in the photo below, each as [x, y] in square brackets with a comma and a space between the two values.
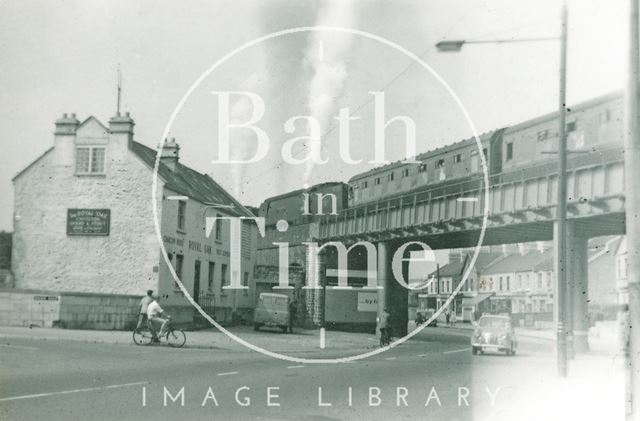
[594, 128]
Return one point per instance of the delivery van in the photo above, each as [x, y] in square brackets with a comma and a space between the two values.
[272, 311]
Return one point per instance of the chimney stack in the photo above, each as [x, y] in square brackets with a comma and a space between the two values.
[64, 137]
[170, 153]
[121, 127]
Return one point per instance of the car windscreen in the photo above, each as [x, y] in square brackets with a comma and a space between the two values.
[494, 322]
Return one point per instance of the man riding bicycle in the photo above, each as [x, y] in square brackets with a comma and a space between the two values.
[156, 315]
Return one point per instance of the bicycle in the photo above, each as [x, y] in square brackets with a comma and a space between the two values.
[175, 338]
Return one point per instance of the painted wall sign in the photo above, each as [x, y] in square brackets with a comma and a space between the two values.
[367, 301]
[88, 222]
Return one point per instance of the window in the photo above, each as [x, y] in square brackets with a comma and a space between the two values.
[422, 167]
[571, 127]
[218, 224]
[484, 152]
[474, 161]
[440, 163]
[543, 134]
[519, 283]
[405, 173]
[182, 207]
[223, 276]
[212, 271]
[500, 283]
[246, 240]
[365, 184]
[508, 283]
[377, 181]
[390, 176]
[604, 117]
[457, 158]
[509, 151]
[245, 282]
[540, 280]
[90, 160]
[179, 262]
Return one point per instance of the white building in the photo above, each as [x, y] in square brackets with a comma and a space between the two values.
[84, 231]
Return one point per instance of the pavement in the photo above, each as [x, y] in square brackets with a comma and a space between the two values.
[63, 374]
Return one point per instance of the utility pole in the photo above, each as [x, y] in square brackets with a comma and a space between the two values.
[632, 204]
[561, 232]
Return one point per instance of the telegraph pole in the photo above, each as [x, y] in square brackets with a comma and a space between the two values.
[561, 231]
[632, 204]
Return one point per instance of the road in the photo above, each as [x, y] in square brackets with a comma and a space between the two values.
[63, 380]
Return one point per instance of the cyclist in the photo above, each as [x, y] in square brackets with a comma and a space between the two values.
[156, 315]
[144, 304]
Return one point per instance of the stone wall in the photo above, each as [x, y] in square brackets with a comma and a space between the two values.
[68, 310]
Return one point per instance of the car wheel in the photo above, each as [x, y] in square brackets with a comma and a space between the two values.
[256, 326]
[474, 350]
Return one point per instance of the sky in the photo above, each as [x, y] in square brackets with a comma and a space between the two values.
[62, 57]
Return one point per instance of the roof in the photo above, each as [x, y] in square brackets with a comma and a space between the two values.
[450, 269]
[612, 96]
[32, 164]
[422, 156]
[189, 182]
[531, 261]
[600, 246]
[486, 259]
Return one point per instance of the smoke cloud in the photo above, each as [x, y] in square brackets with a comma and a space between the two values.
[327, 54]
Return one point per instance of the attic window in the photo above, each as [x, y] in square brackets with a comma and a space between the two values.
[90, 160]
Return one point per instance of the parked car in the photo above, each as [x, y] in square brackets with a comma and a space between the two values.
[425, 314]
[272, 311]
[494, 333]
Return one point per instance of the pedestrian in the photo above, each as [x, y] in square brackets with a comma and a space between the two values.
[447, 316]
[293, 310]
[144, 303]
[384, 327]
[454, 318]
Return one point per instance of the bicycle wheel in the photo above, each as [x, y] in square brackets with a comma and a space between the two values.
[176, 338]
[142, 336]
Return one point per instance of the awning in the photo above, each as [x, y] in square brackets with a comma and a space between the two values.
[474, 301]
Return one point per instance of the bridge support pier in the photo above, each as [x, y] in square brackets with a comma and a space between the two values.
[578, 290]
[391, 294]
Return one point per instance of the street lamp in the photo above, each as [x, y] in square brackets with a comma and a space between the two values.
[454, 46]
[563, 329]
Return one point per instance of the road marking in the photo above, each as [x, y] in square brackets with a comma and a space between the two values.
[67, 392]
[390, 358]
[456, 350]
[228, 373]
[18, 346]
[321, 338]
[422, 355]
[467, 199]
[295, 366]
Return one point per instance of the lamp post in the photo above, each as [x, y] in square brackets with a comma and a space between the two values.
[632, 204]
[562, 299]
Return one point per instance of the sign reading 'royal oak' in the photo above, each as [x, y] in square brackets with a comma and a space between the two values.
[88, 221]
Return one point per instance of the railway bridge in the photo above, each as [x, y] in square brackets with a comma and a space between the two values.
[521, 206]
